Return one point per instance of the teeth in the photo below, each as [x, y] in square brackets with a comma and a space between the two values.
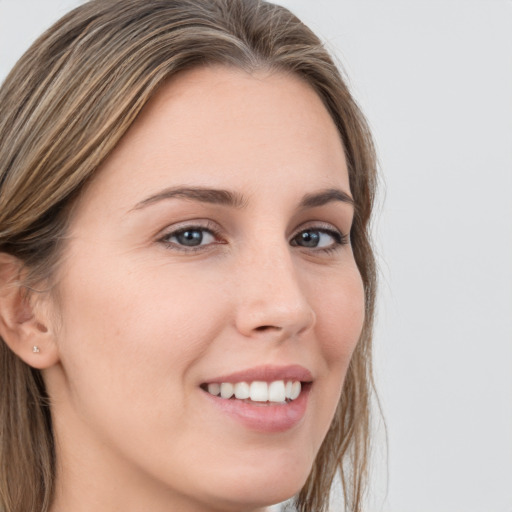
[276, 391]
[288, 389]
[296, 388]
[258, 391]
[242, 390]
[214, 389]
[226, 390]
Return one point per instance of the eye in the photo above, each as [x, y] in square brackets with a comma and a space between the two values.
[316, 238]
[190, 237]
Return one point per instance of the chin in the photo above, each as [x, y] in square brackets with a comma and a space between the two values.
[262, 485]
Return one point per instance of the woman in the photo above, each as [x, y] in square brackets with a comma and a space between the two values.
[187, 284]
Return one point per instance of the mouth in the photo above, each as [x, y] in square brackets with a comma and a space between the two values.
[258, 392]
[266, 399]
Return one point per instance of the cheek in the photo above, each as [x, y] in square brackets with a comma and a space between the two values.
[128, 342]
[340, 315]
[339, 306]
[128, 319]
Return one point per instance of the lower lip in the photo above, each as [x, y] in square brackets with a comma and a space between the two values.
[266, 417]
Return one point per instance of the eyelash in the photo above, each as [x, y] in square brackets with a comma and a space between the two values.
[338, 237]
[207, 228]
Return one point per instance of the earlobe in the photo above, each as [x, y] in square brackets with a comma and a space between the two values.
[25, 325]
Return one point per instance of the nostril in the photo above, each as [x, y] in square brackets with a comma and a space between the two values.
[266, 327]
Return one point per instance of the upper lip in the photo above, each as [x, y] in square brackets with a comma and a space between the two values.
[266, 373]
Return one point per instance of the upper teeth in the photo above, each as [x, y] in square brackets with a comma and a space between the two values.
[258, 391]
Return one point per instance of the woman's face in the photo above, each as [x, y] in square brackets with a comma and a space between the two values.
[211, 248]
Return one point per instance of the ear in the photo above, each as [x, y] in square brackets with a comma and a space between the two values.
[25, 320]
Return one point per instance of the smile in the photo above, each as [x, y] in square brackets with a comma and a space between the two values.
[278, 391]
[266, 399]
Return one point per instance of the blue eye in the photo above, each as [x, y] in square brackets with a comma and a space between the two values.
[316, 238]
[191, 237]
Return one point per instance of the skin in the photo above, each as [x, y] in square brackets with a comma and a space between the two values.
[139, 321]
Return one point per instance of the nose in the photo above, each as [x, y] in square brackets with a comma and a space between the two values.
[272, 301]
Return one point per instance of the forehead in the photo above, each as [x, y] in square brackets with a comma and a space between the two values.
[223, 127]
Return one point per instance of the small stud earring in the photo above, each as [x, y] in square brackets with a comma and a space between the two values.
[35, 349]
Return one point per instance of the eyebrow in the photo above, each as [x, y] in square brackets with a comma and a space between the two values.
[236, 200]
[325, 196]
[201, 194]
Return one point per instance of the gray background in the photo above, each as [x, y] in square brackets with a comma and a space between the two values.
[435, 80]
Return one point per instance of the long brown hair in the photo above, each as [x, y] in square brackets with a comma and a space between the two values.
[65, 106]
